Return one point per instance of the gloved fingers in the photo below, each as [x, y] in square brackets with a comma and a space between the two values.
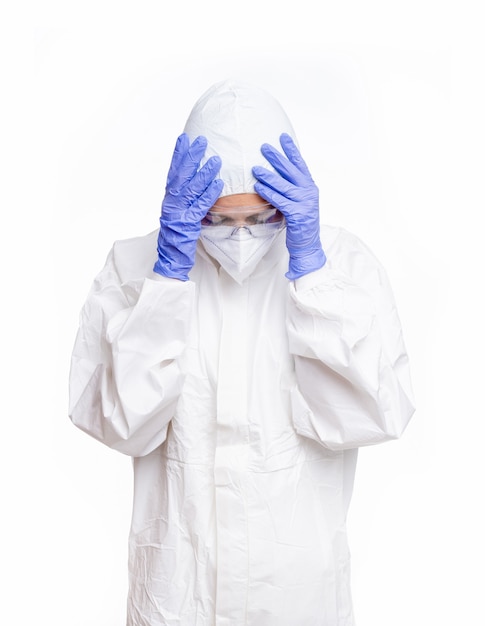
[207, 198]
[293, 154]
[187, 160]
[281, 164]
[278, 200]
[202, 179]
[276, 182]
[181, 146]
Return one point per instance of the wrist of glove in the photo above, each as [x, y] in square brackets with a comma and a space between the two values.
[176, 246]
[304, 259]
[293, 192]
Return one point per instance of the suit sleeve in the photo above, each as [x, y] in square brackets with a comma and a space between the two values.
[126, 373]
[353, 383]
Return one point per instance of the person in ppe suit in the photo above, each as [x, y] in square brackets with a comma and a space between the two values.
[241, 354]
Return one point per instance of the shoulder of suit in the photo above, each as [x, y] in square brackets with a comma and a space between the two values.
[134, 257]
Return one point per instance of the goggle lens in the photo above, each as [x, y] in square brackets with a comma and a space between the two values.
[243, 216]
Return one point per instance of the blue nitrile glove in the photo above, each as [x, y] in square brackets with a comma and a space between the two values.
[293, 192]
[189, 194]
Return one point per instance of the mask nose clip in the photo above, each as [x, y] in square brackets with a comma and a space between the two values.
[241, 232]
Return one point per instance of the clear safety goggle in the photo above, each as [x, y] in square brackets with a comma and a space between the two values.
[243, 216]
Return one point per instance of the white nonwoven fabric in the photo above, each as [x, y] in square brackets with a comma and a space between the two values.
[237, 118]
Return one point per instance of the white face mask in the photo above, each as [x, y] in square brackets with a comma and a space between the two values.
[239, 249]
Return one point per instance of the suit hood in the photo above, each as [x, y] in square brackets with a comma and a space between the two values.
[237, 118]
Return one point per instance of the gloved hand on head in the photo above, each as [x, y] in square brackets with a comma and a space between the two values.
[293, 191]
[190, 192]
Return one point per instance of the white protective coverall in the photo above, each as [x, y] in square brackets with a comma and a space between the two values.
[242, 405]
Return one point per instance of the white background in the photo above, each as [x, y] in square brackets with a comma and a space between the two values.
[387, 101]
